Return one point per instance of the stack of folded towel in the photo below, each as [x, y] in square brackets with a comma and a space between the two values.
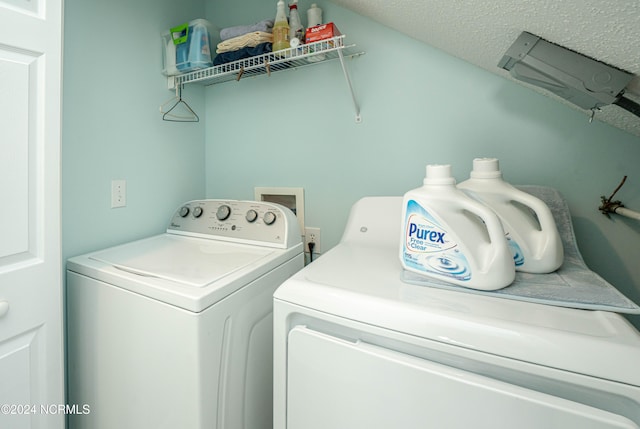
[244, 41]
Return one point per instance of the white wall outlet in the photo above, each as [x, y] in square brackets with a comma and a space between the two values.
[312, 235]
[118, 193]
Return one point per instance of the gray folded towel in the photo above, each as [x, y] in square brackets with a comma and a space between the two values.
[266, 25]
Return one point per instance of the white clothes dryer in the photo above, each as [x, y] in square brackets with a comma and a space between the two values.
[175, 331]
[356, 347]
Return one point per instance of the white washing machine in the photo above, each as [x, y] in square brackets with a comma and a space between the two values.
[357, 347]
[175, 331]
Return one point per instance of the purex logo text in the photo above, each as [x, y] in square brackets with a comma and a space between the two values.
[425, 234]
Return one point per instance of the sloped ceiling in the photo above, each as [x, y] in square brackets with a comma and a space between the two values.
[481, 31]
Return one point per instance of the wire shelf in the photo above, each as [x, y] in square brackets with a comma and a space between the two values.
[287, 59]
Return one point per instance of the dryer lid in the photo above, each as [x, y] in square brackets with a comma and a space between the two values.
[189, 261]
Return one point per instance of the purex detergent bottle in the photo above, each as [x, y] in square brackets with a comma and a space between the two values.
[528, 223]
[449, 236]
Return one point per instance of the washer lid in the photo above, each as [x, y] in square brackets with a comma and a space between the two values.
[185, 260]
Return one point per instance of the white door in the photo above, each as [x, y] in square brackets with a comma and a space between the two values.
[31, 343]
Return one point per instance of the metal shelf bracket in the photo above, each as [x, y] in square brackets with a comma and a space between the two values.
[353, 96]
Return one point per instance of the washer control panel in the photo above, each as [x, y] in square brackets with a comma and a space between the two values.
[254, 222]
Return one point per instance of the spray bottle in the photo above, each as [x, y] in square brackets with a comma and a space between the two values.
[296, 30]
[447, 235]
[280, 29]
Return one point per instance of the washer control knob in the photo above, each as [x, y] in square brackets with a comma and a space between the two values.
[197, 212]
[251, 216]
[184, 211]
[269, 218]
[224, 211]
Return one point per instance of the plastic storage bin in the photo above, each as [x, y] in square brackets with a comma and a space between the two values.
[188, 47]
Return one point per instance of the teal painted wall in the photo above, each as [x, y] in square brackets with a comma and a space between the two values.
[112, 128]
[419, 106]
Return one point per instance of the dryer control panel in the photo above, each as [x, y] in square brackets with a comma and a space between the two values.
[251, 222]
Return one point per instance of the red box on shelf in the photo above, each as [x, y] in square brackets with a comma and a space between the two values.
[321, 32]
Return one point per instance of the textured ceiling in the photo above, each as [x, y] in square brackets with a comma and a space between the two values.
[480, 32]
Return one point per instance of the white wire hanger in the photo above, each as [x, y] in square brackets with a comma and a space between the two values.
[179, 111]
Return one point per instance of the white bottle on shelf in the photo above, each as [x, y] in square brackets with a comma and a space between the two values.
[314, 15]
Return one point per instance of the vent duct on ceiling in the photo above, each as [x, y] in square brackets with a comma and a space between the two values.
[583, 81]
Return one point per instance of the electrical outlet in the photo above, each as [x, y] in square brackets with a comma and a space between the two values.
[118, 193]
[312, 235]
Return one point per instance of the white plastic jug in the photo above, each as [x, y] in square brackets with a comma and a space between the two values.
[528, 223]
[314, 15]
[449, 236]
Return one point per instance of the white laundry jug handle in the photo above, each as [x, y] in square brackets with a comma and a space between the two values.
[540, 208]
[496, 250]
[490, 219]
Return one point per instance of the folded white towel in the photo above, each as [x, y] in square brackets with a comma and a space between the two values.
[247, 40]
